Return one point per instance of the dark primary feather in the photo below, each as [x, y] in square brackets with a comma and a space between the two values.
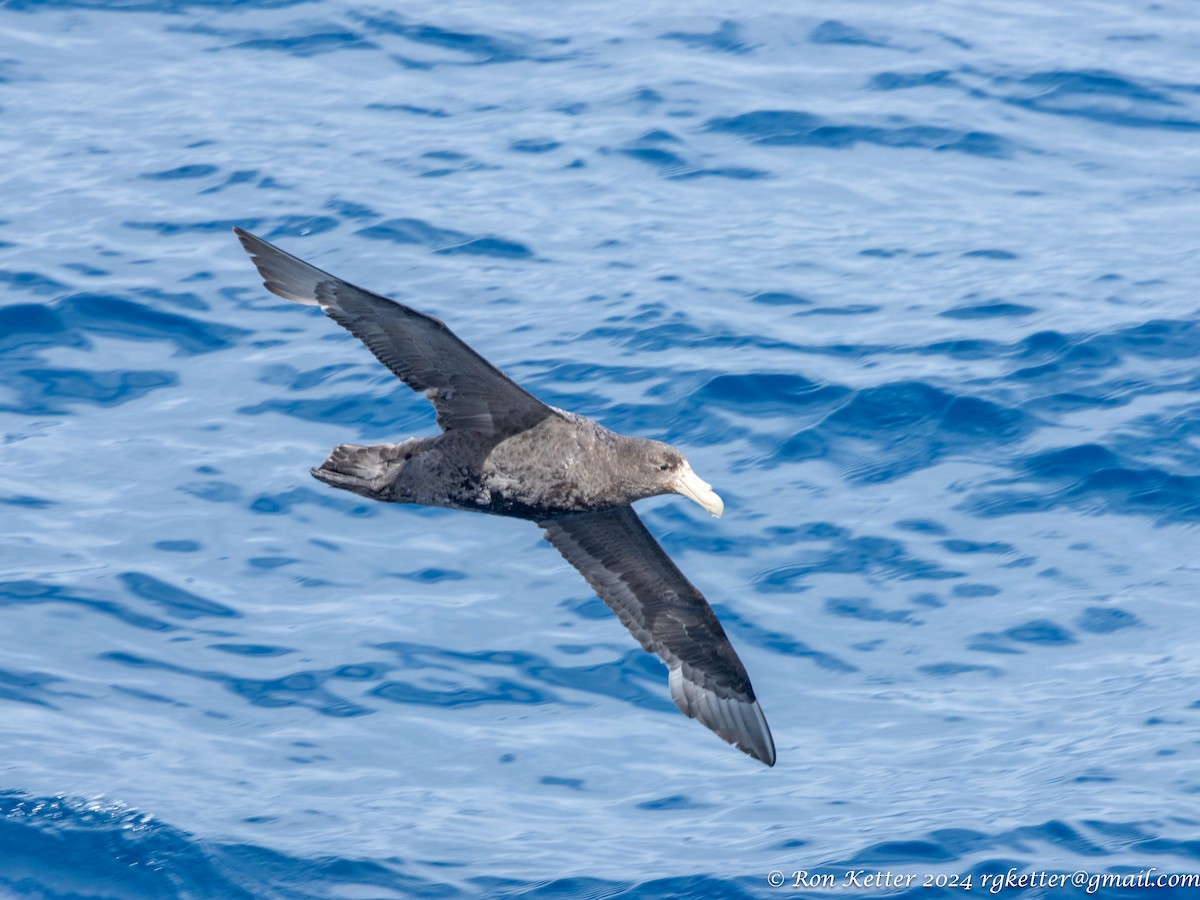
[630, 572]
[467, 391]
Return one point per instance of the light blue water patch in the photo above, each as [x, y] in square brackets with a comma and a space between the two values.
[913, 287]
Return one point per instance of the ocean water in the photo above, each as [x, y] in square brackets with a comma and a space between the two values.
[914, 286]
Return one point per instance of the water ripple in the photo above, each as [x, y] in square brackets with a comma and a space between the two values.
[794, 128]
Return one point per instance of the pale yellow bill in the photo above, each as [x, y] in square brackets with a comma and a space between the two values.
[695, 488]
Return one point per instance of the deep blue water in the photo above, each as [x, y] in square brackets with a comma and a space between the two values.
[914, 287]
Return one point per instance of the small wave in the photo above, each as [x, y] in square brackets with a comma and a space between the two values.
[793, 128]
[445, 240]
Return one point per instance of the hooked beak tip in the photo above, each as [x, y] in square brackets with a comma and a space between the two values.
[694, 488]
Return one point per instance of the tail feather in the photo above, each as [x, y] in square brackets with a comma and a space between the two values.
[364, 470]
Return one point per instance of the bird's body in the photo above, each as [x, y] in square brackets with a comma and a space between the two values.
[545, 471]
[504, 452]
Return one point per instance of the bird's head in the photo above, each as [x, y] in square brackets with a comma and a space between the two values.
[669, 472]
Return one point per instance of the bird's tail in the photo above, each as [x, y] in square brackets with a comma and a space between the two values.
[369, 471]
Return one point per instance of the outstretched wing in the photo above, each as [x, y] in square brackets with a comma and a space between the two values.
[467, 391]
[630, 572]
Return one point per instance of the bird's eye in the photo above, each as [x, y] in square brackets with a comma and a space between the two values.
[662, 467]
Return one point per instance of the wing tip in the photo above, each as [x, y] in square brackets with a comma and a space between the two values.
[251, 243]
[283, 274]
[764, 752]
[736, 719]
[750, 733]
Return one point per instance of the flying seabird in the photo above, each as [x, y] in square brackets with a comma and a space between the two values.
[503, 451]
